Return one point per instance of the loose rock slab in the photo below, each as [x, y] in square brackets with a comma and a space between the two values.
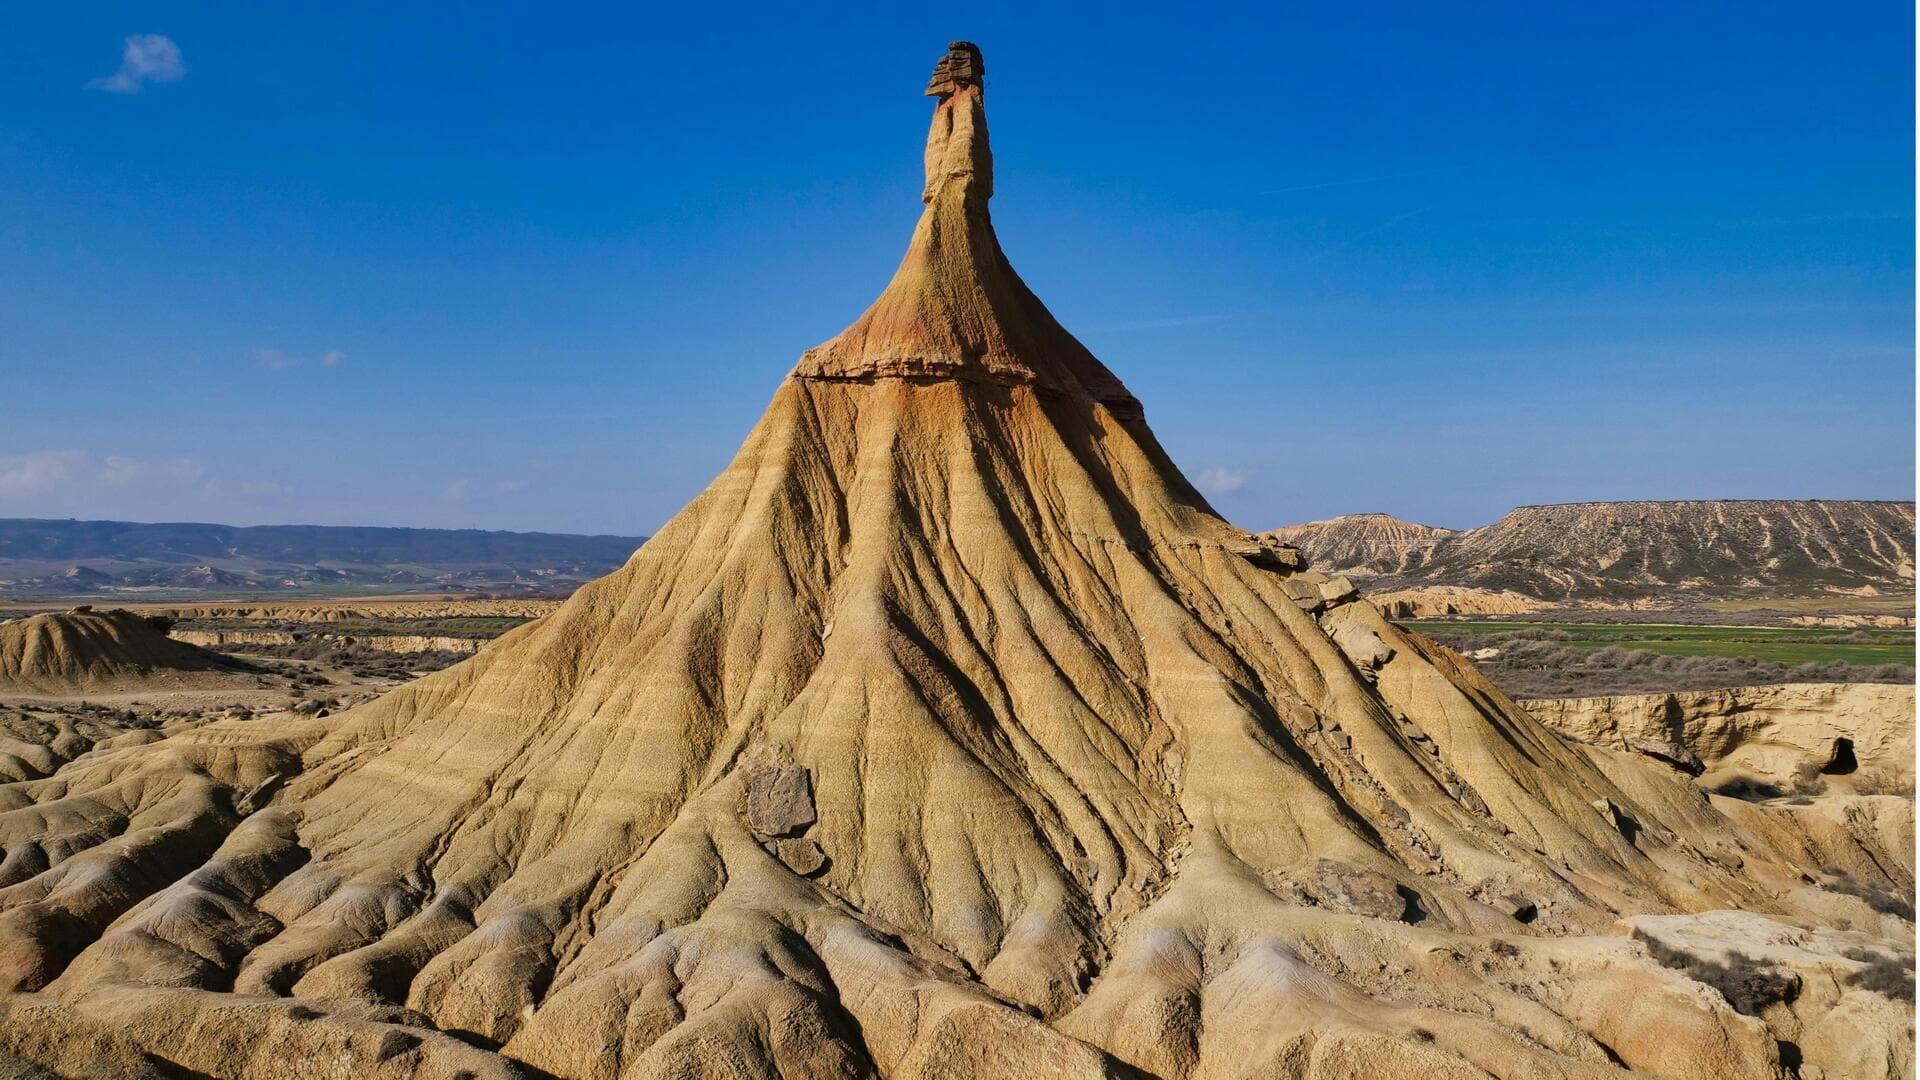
[780, 799]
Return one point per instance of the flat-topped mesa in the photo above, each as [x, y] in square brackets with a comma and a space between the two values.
[955, 309]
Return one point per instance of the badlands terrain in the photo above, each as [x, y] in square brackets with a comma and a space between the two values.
[1774, 556]
[950, 734]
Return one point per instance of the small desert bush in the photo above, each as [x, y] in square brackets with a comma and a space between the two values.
[1807, 779]
[1750, 789]
[1881, 782]
[1881, 898]
[1888, 976]
[1747, 984]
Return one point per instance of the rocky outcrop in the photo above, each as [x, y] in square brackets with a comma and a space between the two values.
[210, 639]
[86, 650]
[1439, 601]
[960, 68]
[1364, 544]
[1764, 732]
[779, 799]
[393, 643]
[1832, 996]
[1634, 552]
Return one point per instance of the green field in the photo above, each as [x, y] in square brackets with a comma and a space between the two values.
[1778, 645]
[1818, 605]
[480, 627]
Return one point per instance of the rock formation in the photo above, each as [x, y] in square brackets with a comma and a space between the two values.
[1365, 544]
[961, 67]
[84, 650]
[1767, 733]
[948, 734]
[1634, 551]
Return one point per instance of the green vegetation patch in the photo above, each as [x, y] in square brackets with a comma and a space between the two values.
[1797, 645]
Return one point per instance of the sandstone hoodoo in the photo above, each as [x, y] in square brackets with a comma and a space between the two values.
[948, 733]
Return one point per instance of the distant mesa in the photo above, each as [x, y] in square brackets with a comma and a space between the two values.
[129, 561]
[1632, 551]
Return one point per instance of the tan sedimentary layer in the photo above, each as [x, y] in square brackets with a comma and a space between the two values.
[213, 638]
[1365, 544]
[394, 643]
[1431, 601]
[1763, 731]
[83, 650]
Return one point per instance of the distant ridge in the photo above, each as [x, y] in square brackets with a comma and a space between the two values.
[45, 557]
[1627, 550]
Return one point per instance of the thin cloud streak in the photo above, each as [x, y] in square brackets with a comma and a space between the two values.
[147, 58]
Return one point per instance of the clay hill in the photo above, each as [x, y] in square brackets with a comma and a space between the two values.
[948, 734]
[1633, 550]
[84, 650]
[42, 558]
[1365, 544]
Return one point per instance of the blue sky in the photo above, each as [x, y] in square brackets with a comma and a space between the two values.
[541, 267]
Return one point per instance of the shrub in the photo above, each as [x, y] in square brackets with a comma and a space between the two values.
[1888, 976]
[1806, 779]
[1747, 984]
[1881, 898]
[1881, 782]
[1750, 789]
[1532, 664]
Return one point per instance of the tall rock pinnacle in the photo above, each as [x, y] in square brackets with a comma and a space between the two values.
[955, 308]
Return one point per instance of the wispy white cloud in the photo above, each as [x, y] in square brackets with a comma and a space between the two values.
[38, 472]
[147, 58]
[456, 493]
[76, 483]
[278, 360]
[1220, 481]
[176, 473]
[265, 489]
[508, 487]
[42, 471]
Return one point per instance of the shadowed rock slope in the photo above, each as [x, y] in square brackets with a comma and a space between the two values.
[949, 733]
[85, 650]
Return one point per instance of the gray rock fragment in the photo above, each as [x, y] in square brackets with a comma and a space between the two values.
[780, 799]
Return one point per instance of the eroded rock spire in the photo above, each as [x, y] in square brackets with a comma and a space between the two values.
[955, 308]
